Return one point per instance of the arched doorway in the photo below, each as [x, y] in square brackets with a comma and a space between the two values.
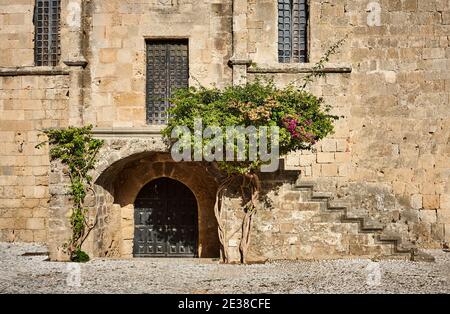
[166, 220]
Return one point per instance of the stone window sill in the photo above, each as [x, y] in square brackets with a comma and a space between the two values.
[32, 71]
[298, 68]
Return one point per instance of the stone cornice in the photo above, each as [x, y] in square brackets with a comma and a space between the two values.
[128, 132]
[299, 68]
[76, 63]
[32, 70]
[240, 62]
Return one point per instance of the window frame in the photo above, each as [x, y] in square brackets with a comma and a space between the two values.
[47, 32]
[293, 43]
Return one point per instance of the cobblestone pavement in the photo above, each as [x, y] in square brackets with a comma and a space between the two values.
[33, 274]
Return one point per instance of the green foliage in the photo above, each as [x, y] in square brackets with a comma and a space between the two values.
[316, 70]
[76, 149]
[80, 256]
[302, 118]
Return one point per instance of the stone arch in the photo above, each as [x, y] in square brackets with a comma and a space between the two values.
[119, 151]
[119, 185]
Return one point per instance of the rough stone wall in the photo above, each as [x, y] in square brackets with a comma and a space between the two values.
[16, 33]
[28, 104]
[287, 226]
[390, 155]
[117, 54]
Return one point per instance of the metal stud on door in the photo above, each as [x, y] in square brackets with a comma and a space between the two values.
[165, 220]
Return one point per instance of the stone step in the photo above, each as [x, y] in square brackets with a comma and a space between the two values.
[420, 256]
[389, 236]
[372, 225]
[338, 205]
[321, 195]
[308, 206]
[309, 200]
[292, 196]
[301, 184]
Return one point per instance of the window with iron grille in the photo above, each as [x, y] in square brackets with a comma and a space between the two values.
[47, 46]
[167, 71]
[292, 31]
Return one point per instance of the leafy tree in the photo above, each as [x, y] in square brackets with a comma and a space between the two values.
[302, 120]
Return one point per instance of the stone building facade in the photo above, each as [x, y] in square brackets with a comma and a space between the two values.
[378, 187]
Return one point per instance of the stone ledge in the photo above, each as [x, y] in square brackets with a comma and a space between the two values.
[246, 62]
[128, 132]
[299, 68]
[32, 70]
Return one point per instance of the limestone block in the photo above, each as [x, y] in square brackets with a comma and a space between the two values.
[35, 223]
[7, 223]
[293, 160]
[325, 157]
[443, 216]
[328, 145]
[428, 216]
[40, 236]
[24, 235]
[409, 5]
[330, 170]
[341, 145]
[416, 201]
[430, 201]
[343, 157]
[433, 53]
[445, 201]
[307, 160]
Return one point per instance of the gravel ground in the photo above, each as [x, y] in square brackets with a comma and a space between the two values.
[33, 274]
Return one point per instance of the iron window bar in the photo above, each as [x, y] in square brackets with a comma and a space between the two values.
[47, 41]
[292, 31]
[167, 70]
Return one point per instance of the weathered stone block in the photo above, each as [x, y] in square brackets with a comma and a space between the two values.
[330, 170]
[307, 160]
[40, 236]
[428, 216]
[445, 201]
[35, 224]
[416, 201]
[433, 53]
[443, 216]
[325, 157]
[328, 145]
[430, 201]
[307, 206]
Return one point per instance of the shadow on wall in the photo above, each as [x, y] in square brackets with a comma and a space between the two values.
[119, 185]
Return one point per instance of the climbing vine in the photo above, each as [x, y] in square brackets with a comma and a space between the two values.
[76, 149]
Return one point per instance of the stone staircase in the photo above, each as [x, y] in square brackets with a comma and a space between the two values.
[397, 248]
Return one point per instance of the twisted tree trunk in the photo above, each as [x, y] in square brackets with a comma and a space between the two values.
[251, 182]
[218, 212]
[249, 189]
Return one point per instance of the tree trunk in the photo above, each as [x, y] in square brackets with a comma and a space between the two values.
[250, 187]
[251, 182]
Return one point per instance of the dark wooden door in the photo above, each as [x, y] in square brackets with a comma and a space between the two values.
[165, 220]
[167, 71]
